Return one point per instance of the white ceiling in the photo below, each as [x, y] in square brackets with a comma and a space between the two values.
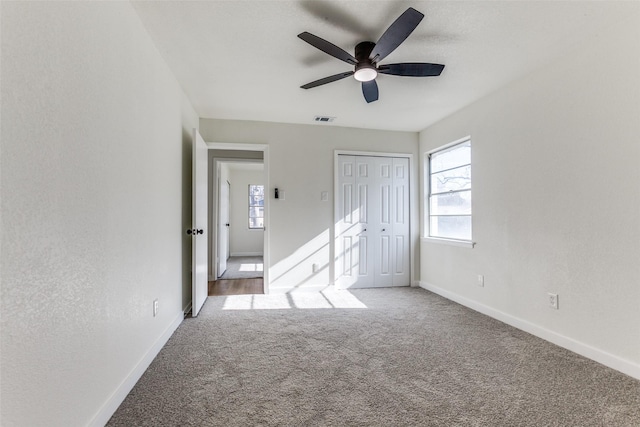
[243, 60]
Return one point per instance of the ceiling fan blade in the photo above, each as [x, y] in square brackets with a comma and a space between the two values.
[328, 48]
[326, 80]
[396, 34]
[370, 91]
[412, 69]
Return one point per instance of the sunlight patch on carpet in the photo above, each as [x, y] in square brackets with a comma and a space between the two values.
[328, 299]
[251, 267]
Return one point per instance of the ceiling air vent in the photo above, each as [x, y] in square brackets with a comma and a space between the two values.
[324, 119]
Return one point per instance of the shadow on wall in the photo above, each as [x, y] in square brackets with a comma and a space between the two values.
[308, 267]
[296, 271]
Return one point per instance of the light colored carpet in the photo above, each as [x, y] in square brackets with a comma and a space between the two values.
[397, 357]
[243, 267]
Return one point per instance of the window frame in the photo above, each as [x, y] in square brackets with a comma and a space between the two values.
[469, 243]
[249, 216]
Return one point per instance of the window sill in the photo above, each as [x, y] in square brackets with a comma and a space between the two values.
[450, 242]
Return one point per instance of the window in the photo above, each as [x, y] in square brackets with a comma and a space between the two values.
[450, 192]
[256, 206]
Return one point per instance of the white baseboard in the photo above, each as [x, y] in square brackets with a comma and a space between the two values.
[111, 405]
[187, 308]
[619, 364]
[246, 254]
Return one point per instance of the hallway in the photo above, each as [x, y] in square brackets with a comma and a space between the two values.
[223, 287]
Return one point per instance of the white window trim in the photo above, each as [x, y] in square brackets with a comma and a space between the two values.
[250, 228]
[427, 217]
[451, 242]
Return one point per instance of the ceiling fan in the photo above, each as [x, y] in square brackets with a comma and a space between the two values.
[369, 54]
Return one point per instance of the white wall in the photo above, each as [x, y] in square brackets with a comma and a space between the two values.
[300, 162]
[95, 137]
[556, 201]
[244, 241]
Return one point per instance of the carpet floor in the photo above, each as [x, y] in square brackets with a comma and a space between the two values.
[243, 267]
[371, 357]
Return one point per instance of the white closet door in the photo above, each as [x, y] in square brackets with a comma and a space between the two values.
[365, 242]
[401, 248]
[346, 222]
[372, 228]
[382, 227]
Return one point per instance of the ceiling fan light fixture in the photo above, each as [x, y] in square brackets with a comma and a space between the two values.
[365, 73]
[369, 54]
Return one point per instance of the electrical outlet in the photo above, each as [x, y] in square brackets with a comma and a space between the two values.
[155, 307]
[553, 301]
[480, 280]
[315, 267]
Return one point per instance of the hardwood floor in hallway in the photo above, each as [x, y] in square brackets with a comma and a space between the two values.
[223, 287]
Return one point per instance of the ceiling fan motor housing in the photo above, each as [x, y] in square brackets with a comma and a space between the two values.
[363, 50]
[365, 69]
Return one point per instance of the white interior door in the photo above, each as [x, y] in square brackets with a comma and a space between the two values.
[372, 228]
[223, 227]
[199, 274]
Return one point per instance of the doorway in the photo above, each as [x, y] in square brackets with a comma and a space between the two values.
[238, 225]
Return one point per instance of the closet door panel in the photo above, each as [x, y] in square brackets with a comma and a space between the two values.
[401, 226]
[346, 223]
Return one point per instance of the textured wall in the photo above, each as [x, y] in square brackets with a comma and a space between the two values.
[300, 162]
[95, 132]
[556, 198]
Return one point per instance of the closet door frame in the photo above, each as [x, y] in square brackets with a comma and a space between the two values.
[413, 214]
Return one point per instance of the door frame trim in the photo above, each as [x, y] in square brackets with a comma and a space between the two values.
[214, 214]
[215, 211]
[413, 215]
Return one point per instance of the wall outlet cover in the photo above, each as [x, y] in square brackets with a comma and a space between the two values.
[553, 301]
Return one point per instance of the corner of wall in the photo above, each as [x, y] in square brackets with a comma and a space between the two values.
[612, 361]
[115, 400]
